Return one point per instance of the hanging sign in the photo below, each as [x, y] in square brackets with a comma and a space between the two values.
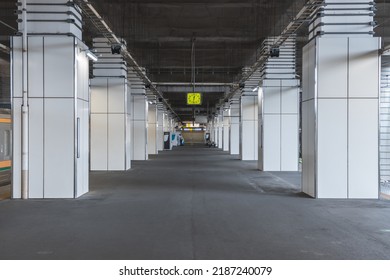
[194, 98]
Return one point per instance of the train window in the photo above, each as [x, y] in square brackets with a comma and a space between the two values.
[7, 143]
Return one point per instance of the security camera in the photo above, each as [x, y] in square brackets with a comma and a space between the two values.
[274, 52]
[116, 49]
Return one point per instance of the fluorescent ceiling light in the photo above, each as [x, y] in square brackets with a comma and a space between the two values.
[256, 88]
[91, 55]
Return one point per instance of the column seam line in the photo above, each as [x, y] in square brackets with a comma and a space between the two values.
[43, 117]
[348, 95]
[280, 128]
[107, 129]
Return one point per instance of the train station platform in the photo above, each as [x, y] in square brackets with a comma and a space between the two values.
[194, 203]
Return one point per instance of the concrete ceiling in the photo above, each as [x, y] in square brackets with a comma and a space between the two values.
[227, 35]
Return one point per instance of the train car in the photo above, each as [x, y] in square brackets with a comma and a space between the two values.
[5, 147]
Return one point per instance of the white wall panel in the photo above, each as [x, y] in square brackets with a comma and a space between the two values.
[139, 150]
[289, 142]
[116, 141]
[160, 131]
[113, 72]
[128, 142]
[271, 144]
[140, 127]
[249, 140]
[290, 96]
[17, 68]
[99, 143]
[249, 110]
[362, 58]
[234, 133]
[309, 76]
[293, 83]
[332, 148]
[35, 66]
[85, 145]
[152, 114]
[129, 99]
[249, 128]
[270, 83]
[216, 135]
[234, 139]
[363, 148]
[271, 100]
[109, 97]
[116, 95]
[279, 116]
[305, 71]
[226, 131]
[332, 67]
[59, 148]
[82, 67]
[152, 129]
[140, 107]
[82, 148]
[220, 133]
[59, 62]
[152, 136]
[308, 148]
[99, 96]
[16, 147]
[36, 147]
[132, 130]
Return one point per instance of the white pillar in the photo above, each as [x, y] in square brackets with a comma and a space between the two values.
[211, 128]
[152, 129]
[160, 127]
[58, 104]
[340, 105]
[165, 122]
[226, 128]
[234, 133]
[220, 129]
[171, 124]
[249, 119]
[215, 125]
[139, 118]
[110, 111]
[208, 130]
[279, 111]
[167, 130]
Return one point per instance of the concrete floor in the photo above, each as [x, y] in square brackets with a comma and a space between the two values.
[194, 203]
